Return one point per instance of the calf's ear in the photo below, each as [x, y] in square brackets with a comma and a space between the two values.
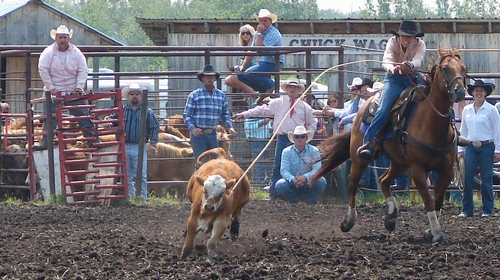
[200, 180]
[230, 183]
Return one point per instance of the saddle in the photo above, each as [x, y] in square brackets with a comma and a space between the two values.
[400, 114]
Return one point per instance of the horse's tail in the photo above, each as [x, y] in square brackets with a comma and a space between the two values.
[334, 151]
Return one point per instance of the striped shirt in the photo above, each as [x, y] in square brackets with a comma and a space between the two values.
[205, 110]
[270, 37]
[132, 123]
[294, 162]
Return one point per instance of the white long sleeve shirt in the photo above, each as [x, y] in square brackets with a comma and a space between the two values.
[62, 71]
[482, 125]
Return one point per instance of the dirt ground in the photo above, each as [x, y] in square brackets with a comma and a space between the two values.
[303, 242]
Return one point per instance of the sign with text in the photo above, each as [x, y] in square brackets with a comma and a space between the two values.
[374, 42]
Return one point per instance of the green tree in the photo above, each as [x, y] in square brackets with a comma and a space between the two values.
[475, 8]
[443, 8]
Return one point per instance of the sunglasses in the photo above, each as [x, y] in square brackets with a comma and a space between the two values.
[134, 93]
[246, 33]
[333, 101]
[300, 136]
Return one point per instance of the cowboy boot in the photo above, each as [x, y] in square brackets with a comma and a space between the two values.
[365, 153]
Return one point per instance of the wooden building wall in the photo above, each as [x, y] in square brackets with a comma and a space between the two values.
[369, 60]
[31, 25]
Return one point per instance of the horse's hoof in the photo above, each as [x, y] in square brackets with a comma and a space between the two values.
[390, 220]
[346, 226]
[428, 235]
[441, 239]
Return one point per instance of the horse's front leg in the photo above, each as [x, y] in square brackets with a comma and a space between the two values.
[392, 207]
[435, 233]
[357, 169]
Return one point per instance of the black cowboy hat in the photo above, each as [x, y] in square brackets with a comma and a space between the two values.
[408, 28]
[366, 82]
[208, 71]
[488, 87]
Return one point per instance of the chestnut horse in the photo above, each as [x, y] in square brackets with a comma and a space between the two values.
[429, 144]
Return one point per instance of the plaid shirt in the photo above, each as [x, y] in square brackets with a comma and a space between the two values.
[271, 37]
[205, 110]
[132, 122]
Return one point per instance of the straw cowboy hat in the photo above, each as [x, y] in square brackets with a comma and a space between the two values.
[132, 87]
[480, 83]
[264, 13]
[61, 30]
[300, 130]
[366, 82]
[377, 86]
[208, 70]
[355, 81]
[293, 82]
[408, 28]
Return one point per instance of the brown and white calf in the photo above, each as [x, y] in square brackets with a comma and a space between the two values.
[215, 200]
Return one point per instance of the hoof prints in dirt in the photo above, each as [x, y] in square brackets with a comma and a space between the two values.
[301, 241]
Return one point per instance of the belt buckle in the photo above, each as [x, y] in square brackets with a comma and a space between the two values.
[477, 144]
[208, 131]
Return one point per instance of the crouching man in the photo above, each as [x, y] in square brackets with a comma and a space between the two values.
[299, 163]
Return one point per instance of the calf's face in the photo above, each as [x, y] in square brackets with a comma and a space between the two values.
[214, 188]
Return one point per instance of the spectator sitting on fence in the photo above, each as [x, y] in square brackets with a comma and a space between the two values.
[302, 114]
[266, 35]
[481, 125]
[299, 163]
[245, 38]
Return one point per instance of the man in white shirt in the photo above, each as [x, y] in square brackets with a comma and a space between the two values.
[63, 68]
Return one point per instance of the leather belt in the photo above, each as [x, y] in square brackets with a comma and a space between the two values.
[479, 144]
[208, 131]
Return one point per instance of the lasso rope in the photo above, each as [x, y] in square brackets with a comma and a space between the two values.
[293, 106]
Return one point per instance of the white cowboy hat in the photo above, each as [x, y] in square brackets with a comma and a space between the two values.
[356, 81]
[300, 130]
[61, 30]
[264, 13]
[377, 86]
[130, 88]
[293, 82]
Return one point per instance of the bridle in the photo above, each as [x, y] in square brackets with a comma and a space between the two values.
[449, 85]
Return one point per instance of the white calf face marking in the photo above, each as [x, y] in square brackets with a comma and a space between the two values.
[214, 188]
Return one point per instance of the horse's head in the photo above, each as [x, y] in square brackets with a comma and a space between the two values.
[452, 71]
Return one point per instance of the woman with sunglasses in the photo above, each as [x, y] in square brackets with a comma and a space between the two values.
[245, 38]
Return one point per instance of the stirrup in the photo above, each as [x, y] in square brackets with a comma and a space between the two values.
[365, 153]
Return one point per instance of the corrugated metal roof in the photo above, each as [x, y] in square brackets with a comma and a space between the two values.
[7, 7]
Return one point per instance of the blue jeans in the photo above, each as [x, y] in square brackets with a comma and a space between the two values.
[292, 194]
[259, 169]
[484, 158]
[132, 163]
[74, 112]
[393, 86]
[281, 144]
[201, 144]
[259, 83]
